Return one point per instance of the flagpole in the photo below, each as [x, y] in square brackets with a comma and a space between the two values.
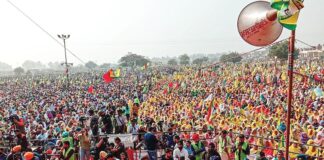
[290, 72]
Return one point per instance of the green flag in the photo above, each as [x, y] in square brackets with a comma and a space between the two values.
[288, 12]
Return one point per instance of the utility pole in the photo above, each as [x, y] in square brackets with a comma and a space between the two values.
[66, 64]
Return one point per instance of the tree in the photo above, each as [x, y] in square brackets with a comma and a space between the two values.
[91, 65]
[132, 59]
[233, 57]
[105, 66]
[281, 51]
[184, 59]
[172, 62]
[19, 70]
[55, 66]
[5, 67]
[200, 61]
[30, 65]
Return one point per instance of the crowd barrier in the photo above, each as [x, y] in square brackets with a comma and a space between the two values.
[127, 140]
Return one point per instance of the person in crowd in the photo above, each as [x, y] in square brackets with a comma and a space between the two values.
[197, 147]
[151, 143]
[94, 123]
[119, 148]
[262, 156]
[21, 140]
[67, 151]
[180, 153]
[15, 153]
[212, 153]
[133, 129]
[294, 147]
[188, 148]
[279, 156]
[121, 121]
[168, 154]
[107, 122]
[101, 146]
[224, 145]
[85, 145]
[242, 148]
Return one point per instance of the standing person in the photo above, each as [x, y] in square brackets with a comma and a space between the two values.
[224, 145]
[133, 129]
[107, 123]
[101, 146]
[242, 149]
[18, 123]
[66, 137]
[188, 148]
[212, 153]
[21, 140]
[180, 153]
[67, 151]
[121, 121]
[94, 123]
[197, 147]
[119, 148]
[151, 143]
[84, 145]
[169, 137]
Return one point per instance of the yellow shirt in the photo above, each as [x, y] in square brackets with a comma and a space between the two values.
[310, 152]
[295, 150]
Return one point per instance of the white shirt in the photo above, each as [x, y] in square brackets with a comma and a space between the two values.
[121, 120]
[183, 153]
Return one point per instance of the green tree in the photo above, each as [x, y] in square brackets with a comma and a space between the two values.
[105, 66]
[5, 67]
[91, 65]
[19, 70]
[132, 59]
[233, 57]
[184, 59]
[281, 51]
[200, 61]
[172, 62]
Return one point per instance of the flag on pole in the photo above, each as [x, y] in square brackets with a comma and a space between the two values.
[90, 89]
[288, 12]
[117, 73]
[211, 111]
[107, 77]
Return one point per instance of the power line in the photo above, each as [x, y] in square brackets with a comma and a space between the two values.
[305, 43]
[46, 32]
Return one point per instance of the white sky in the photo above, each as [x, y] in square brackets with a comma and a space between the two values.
[105, 30]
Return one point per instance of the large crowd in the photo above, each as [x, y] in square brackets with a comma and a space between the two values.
[228, 111]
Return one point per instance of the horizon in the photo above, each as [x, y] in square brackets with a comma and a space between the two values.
[104, 31]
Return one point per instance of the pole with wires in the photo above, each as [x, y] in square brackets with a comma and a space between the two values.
[66, 64]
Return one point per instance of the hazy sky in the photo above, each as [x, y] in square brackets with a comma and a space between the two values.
[105, 30]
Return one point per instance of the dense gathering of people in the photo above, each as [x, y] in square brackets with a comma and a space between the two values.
[225, 111]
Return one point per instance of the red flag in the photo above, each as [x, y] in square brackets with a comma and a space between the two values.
[107, 77]
[90, 89]
[170, 85]
[165, 91]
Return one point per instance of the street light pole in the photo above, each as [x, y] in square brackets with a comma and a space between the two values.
[66, 64]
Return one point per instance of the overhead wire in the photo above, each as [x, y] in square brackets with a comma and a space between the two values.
[45, 31]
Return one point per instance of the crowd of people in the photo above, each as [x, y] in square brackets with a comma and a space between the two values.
[230, 111]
